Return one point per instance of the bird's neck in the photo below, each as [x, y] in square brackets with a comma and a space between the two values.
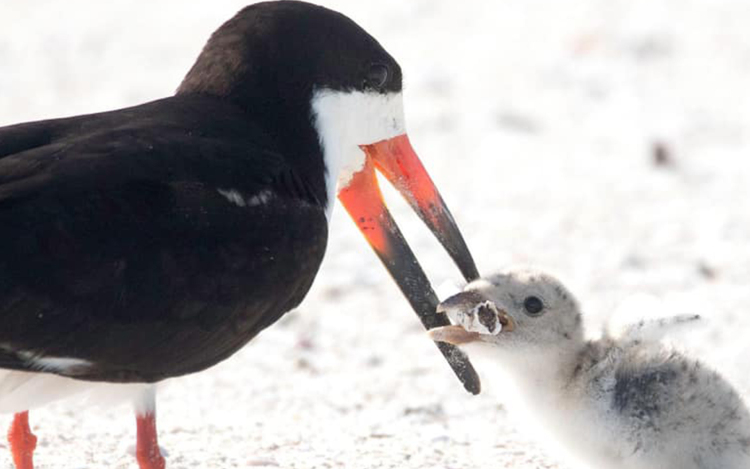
[547, 370]
[541, 374]
[534, 388]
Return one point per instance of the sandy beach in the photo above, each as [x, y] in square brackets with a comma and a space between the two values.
[607, 142]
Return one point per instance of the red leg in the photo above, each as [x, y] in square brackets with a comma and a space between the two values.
[147, 447]
[22, 441]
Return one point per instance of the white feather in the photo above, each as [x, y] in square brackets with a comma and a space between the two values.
[346, 120]
[23, 390]
[236, 197]
[56, 364]
[260, 198]
[233, 196]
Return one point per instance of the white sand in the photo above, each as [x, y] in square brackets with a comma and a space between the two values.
[536, 119]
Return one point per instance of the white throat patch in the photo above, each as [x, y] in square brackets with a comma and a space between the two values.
[346, 120]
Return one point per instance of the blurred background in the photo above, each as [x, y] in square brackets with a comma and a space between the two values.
[607, 142]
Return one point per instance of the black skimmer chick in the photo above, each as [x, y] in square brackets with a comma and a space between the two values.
[625, 401]
[155, 241]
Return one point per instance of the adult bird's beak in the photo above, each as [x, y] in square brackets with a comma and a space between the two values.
[396, 160]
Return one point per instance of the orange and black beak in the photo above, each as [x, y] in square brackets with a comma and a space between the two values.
[396, 160]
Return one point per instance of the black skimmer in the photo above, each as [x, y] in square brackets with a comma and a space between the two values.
[155, 241]
[624, 401]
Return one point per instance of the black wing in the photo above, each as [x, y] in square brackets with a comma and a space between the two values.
[148, 242]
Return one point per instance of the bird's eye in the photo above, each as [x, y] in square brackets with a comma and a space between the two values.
[376, 76]
[533, 306]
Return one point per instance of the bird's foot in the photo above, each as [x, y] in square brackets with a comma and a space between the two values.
[147, 447]
[132, 450]
[151, 460]
[22, 441]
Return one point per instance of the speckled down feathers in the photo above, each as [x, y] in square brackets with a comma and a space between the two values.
[633, 401]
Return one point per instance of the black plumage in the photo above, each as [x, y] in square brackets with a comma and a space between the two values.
[117, 247]
[155, 241]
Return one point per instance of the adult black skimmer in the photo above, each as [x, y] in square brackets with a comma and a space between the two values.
[155, 241]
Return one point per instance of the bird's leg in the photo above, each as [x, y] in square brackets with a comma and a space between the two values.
[22, 441]
[147, 446]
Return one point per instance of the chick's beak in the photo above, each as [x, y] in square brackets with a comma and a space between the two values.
[396, 160]
[475, 319]
[454, 335]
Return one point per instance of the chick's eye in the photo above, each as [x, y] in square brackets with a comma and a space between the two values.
[376, 76]
[533, 305]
